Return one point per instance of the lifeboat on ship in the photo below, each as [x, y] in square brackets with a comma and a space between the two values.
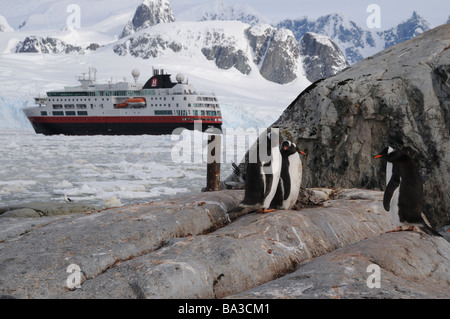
[133, 103]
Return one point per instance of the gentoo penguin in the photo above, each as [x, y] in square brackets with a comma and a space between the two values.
[290, 177]
[262, 173]
[403, 196]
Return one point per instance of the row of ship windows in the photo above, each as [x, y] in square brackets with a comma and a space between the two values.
[183, 112]
[69, 113]
[157, 112]
[200, 98]
[123, 93]
[84, 106]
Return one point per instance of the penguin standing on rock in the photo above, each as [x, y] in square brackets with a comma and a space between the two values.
[290, 177]
[262, 174]
[403, 196]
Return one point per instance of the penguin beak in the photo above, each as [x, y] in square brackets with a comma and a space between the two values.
[285, 148]
[378, 156]
[301, 152]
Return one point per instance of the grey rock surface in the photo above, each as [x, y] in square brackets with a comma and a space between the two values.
[226, 57]
[38, 209]
[398, 97]
[321, 56]
[276, 52]
[405, 264]
[180, 248]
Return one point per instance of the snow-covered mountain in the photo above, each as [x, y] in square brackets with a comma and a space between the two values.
[321, 56]
[356, 42]
[215, 56]
[405, 30]
[256, 69]
[149, 13]
[4, 26]
[217, 10]
[272, 52]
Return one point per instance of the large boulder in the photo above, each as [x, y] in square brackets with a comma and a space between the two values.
[399, 97]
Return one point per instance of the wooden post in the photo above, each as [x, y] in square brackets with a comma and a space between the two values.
[213, 163]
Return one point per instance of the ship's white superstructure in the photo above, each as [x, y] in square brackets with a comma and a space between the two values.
[158, 106]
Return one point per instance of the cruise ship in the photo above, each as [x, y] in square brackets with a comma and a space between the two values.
[125, 108]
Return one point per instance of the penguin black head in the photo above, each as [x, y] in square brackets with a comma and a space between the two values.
[290, 148]
[392, 154]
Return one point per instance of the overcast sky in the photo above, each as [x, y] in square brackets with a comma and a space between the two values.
[391, 11]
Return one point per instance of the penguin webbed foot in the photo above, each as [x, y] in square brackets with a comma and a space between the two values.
[424, 229]
[402, 228]
[265, 210]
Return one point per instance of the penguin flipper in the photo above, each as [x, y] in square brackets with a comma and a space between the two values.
[393, 184]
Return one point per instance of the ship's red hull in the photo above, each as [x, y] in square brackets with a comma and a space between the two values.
[120, 125]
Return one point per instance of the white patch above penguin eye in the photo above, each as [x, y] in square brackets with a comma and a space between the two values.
[390, 150]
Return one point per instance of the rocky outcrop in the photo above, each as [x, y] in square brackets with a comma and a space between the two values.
[36, 44]
[398, 97]
[351, 38]
[149, 13]
[40, 209]
[406, 30]
[226, 57]
[188, 247]
[275, 52]
[146, 46]
[321, 56]
[230, 44]
[414, 266]
[355, 41]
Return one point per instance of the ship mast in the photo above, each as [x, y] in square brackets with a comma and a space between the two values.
[90, 81]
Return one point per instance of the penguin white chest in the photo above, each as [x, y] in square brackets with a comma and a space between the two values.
[273, 172]
[295, 175]
[394, 208]
[394, 200]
